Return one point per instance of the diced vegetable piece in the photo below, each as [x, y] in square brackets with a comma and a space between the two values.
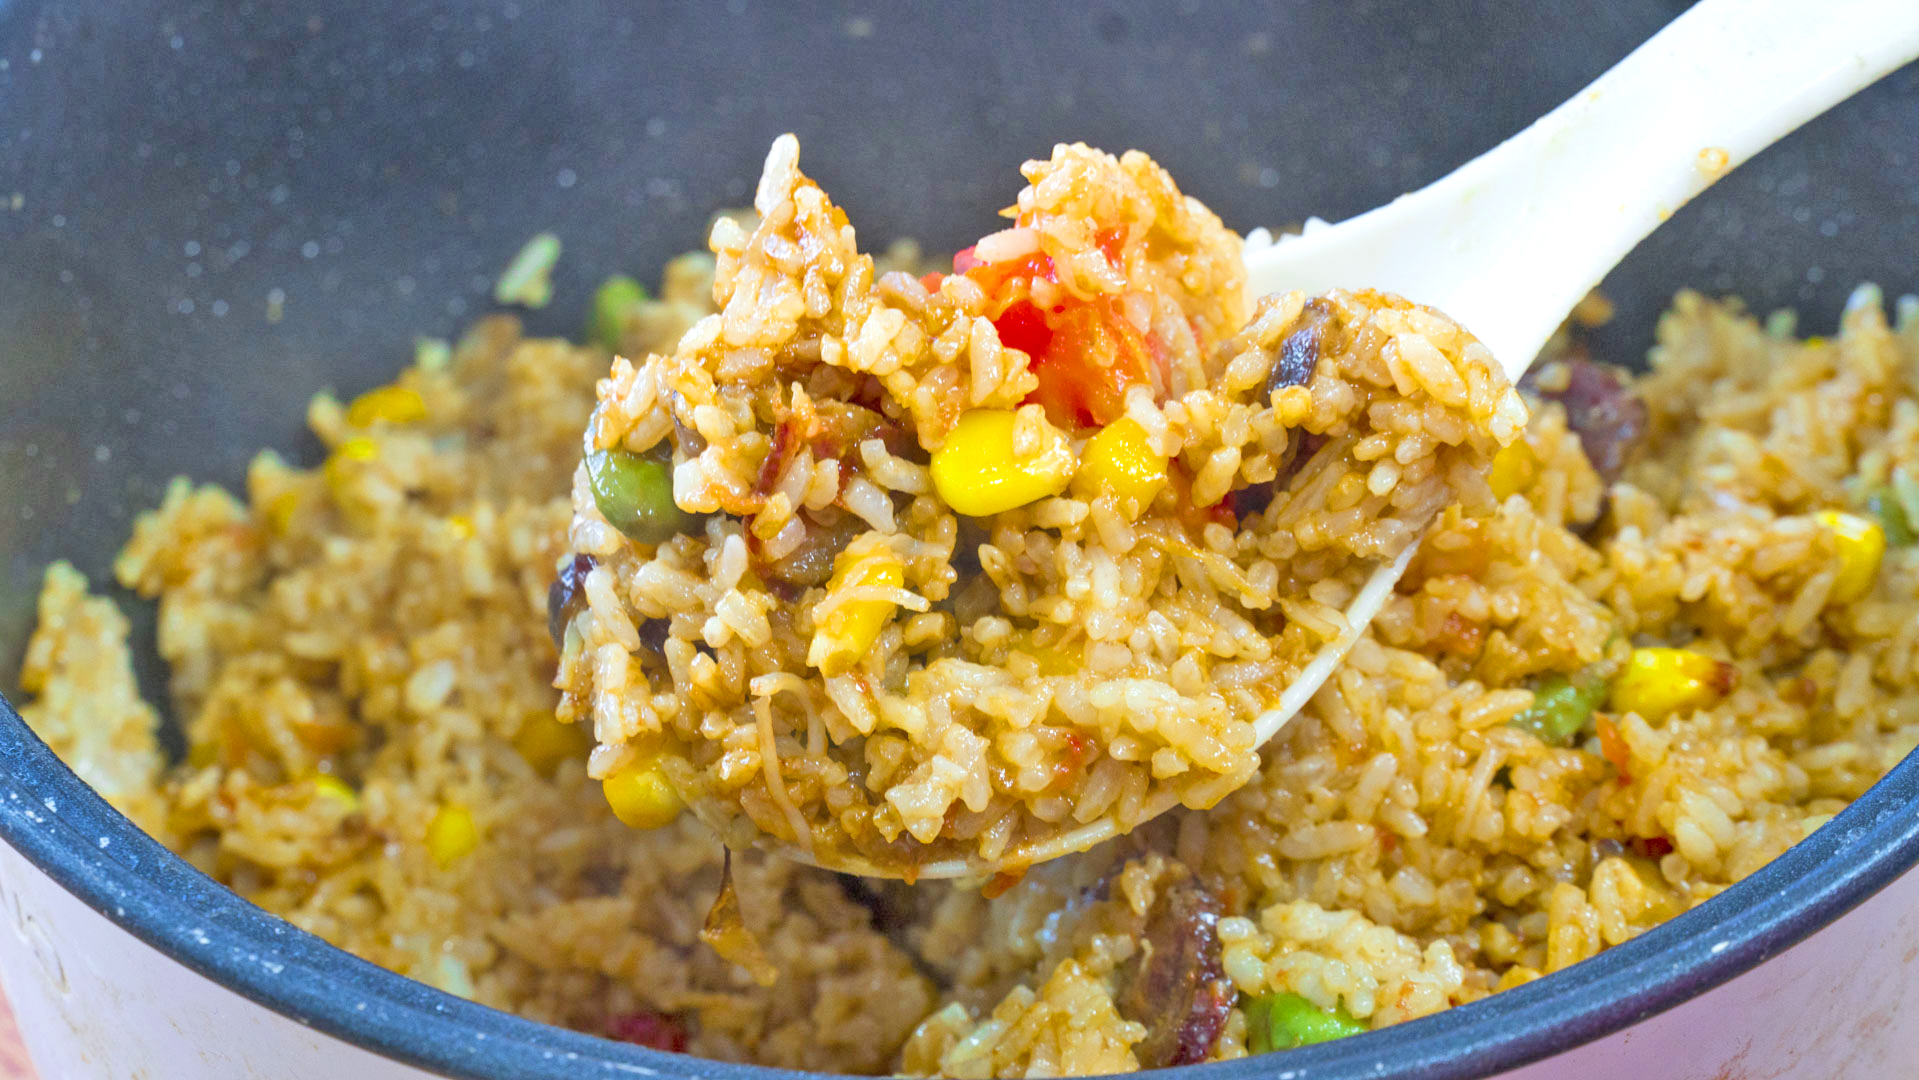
[341, 465]
[1884, 504]
[1006, 278]
[1660, 681]
[635, 493]
[979, 473]
[1085, 354]
[386, 404]
[849, 629]
[1283, 1021]
[1022, 327]
[1094, 354]
[1052, 659]
[528, 279]
[280, 510]
[451, 835]
[1562, 707]
[431, 354]
[642, 797]
[1514, 468]
[359, 448]
[1861, 543]
[1121, 460]
[337, 789]
[615, 299]
[1612, 745]
[545, 742]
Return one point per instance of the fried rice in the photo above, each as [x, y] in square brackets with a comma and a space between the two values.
[1677, 631]
[980, 674]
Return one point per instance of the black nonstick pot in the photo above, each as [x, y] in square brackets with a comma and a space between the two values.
[209, 212]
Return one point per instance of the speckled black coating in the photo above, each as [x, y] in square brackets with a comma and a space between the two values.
[168, 170]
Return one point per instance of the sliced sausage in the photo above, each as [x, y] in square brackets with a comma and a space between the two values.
[644, 1027]
[1601, 408]
[1177, 985]
[566, 597]
[1300, 349]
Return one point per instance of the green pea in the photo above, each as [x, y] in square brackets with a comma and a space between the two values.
[616, 298]
[1562, 707]
[1283, 1021]
[635, 493]
[1884, 504]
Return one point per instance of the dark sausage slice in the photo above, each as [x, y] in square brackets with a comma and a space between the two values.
[645, 1027]
[653, 634]
[566, 597]
[812, 562]
[1299, 350]
[840, 429]
[1255, 498]
[1177, 985]
[1606, 414]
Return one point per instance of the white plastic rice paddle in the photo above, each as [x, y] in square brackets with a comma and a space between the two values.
[1507, 243]
[1510, 241]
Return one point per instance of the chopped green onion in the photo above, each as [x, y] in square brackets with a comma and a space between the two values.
[431, 354]
[1884, 504]
[528, 280]
[1284, 1021]
[1562, 707]
[635, 493]
[615, 300]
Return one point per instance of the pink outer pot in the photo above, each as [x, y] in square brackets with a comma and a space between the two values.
[96, 1000]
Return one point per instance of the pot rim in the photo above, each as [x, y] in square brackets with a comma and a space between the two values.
[66, 830]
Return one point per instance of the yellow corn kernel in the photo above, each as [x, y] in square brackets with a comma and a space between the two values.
[388, 404]
[1861, 543]
[335, 788]
[1658, 682]
[979, 473]
[1052, 659]
[451, 835]
[461, 525]
[1121, 460]
[339, 465]
[544, 741]
[358, 448]
[280, 510]
[1514, 468]
[641, 796]
[848, 630]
